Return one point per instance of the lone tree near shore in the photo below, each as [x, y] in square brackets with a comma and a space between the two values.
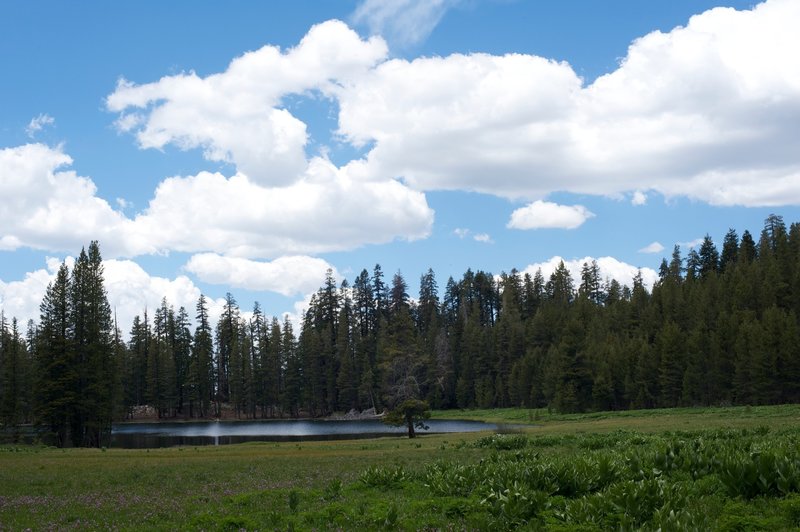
[411, 413]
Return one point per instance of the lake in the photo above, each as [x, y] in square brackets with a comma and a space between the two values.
[152, 435]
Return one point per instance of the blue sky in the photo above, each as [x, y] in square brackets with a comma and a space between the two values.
[248, 146]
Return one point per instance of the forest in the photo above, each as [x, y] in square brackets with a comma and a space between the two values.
[719, 327]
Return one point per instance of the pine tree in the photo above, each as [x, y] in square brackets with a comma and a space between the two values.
[671, 364]
[560, 287]
[293, 395]
[591, 287]
[13, 376]
[76, 355]
[227, 334]
[259, 343]
[182, 352]
[201, 365]
[348, 379]
[136, 370]
[98, 397]
[161, 361]
[709, 258]
[401, 363]
[747, 248]
[509, 339]
[730, 250]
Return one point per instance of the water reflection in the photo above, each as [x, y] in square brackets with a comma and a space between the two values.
[151, 435]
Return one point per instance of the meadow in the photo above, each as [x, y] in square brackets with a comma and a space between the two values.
[677, 469]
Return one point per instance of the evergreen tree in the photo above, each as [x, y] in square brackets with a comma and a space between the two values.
[227, 334]
[136, 368]
[294, 370]
[94, 351]
[671, 364]
[747, 248]
[182, 352]
[76, 356]
[730, 250]
[161, 362]
[13, 376]
[560, 287]
[201, 367]
[591, 287]
[348, 379]
[709, 258]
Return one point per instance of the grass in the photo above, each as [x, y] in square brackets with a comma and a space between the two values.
[642, 420]
[675, 469]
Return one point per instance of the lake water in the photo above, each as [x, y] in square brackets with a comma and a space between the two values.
[152, 435]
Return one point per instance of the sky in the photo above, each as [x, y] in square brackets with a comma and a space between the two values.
[247, 147]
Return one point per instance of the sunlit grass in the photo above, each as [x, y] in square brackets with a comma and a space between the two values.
[322, 484]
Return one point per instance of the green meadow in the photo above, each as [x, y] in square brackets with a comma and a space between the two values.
[679, 469]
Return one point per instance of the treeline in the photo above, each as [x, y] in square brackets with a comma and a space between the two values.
[718, 327]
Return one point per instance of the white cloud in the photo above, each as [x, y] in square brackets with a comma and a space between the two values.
[21, 299]
[285, 275]
[707, 111]
[324, 211]
[610, 268]
[463, 233]
[402, 22]
[545, 214]
[278, 202]
[236, 116]
[130, 289]
[639, 198]
[38, 123]
[653, 247]
[46, 206]
[691, 243]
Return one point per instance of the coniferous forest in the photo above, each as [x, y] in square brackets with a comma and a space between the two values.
[720, 326]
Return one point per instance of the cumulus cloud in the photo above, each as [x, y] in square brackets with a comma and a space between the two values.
[548, 215]
[47, 206]
[236, 116]
[484, 238]
[708, 111]
[653, 247]
[278, 201]
[38, 123]
[21, 299]
[324, 211]
[402, 22]
[610, 268]
[131, 291]
[639, 198]
[289, 276]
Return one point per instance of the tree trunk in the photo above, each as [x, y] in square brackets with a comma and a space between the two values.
[410, 422]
